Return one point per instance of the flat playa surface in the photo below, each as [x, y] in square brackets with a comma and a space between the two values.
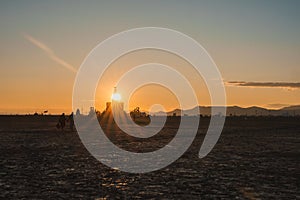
[255, 158]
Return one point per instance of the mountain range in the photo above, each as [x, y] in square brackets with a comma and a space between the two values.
[236, 111]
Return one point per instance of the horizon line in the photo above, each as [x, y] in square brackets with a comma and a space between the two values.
[41, 110]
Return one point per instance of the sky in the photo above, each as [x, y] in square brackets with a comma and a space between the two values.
[255, 45]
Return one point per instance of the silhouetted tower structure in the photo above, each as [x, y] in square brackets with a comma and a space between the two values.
[115, 102]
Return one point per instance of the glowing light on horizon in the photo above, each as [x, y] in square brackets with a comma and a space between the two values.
[116, 97]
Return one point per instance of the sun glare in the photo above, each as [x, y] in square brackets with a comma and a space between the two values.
[116, 97]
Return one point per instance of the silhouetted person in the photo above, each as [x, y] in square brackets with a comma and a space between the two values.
[77, 112]
[61, 122]
[71, 121]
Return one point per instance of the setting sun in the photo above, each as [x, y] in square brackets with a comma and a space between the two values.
[116, 97]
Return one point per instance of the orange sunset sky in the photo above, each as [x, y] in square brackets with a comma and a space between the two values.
[255, 45]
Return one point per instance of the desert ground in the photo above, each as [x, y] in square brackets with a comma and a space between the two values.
[255, 158]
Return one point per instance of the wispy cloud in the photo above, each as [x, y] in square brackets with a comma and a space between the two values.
[287, 85]
[49, 52]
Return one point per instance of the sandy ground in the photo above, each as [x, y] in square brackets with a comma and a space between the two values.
[255, 158]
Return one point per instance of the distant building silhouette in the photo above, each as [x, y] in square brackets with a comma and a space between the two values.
[108, 107]
[92, 111]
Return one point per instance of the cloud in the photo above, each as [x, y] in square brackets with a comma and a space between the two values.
[49, 52]
[287, 85]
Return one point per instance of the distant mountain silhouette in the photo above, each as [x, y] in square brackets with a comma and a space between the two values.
[291, 108]
[237, 111]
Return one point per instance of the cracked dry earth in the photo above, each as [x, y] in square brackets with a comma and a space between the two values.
[255, 158]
